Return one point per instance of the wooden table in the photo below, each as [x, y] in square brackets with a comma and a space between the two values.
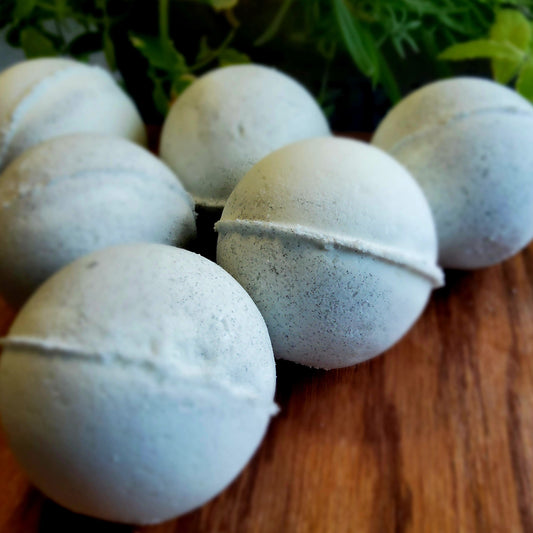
[435, 436]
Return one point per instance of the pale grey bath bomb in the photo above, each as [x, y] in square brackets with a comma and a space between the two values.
[335, 243]
[468, 142]
[75, 194]
[228, 120]
[136, 383]
[47, 97]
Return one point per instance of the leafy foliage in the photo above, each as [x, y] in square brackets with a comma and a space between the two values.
[391, 43]
[509, 47]
[81, 27]
[378, 35]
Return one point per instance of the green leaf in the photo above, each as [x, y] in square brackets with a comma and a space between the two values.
[230, 56]
[482, 48]
[23, 8]
[513, 27]
[36, 44]
[180, 83]
[359, 42]
[160, 53]
[388, 81]
[524, 83]
[205, 52]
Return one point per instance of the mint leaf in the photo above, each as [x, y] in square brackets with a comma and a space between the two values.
[524, 84]
[513, 27]
[36, 44]
[483, 48]
[160, 53]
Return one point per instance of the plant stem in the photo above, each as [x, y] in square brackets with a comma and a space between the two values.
[214, 53]
[163, 20]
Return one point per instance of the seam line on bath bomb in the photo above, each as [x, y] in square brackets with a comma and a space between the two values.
[24, 103]
[154, 368]
[422, 132]
[386, 253]
[173, 185]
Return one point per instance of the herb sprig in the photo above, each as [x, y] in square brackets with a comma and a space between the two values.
[509, 47]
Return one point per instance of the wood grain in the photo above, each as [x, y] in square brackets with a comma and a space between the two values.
[435, 435]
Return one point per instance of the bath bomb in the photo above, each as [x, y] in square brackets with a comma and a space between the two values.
[47, 97]
[335, 243]
[229, 119]
[75, 194]
[136, 383]
[467, 141]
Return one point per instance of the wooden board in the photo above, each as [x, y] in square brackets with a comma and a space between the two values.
[434, 436]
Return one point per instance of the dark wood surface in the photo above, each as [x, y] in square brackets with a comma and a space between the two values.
[436, 435]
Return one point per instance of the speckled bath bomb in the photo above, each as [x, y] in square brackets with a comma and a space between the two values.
[228, 120]
[44, 98]
[468, 142]
[136, 383]
[75, 194]
[335, 243]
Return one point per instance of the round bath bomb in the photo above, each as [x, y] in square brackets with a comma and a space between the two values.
[467, 142]
[228, 120]
[44, 98]
[335, 243]
[75, 194]
[136, 383]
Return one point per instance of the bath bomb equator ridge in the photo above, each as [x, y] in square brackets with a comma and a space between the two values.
[23, 104]
[160, 371]
[21, 192]
[453, 119]
[326, 241]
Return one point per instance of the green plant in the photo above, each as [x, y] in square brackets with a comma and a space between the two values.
[78, 28]
[335, 47]
[509, 47]
[379, 34]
